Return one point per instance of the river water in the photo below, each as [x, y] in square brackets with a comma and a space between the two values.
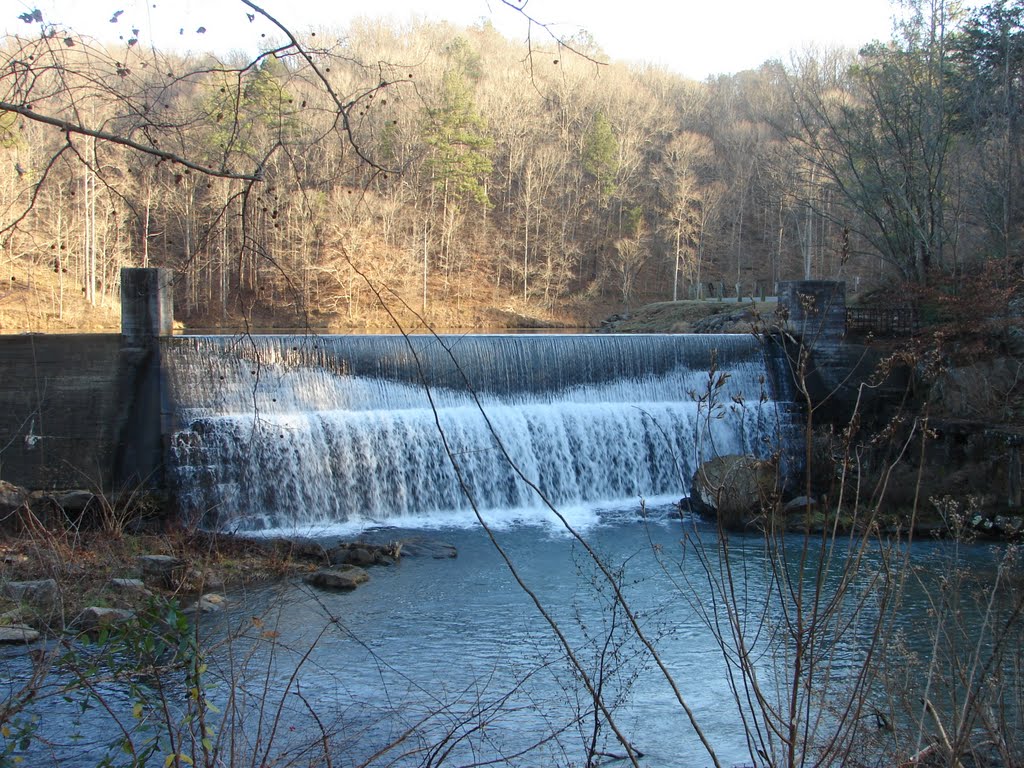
[457, 650]
[451, 661]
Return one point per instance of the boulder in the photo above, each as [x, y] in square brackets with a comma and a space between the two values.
[343, 577]
[11, 497]
[428, 548]
[95, 617]
[1008, 526]
[982, 524]
[135, 587]
[17, 633]
[162, 571]
[74, 503]
[800, 504]
[208, 603]
[40, 592]
[736, 489]
[364, 554]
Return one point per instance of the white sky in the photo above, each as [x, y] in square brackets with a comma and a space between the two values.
[691, 37]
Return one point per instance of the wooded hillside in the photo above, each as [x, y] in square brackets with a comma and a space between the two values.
[477, 180]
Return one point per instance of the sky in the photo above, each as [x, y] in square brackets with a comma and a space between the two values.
[694, 38]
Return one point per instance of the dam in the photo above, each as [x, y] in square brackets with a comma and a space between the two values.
[250, 432]
[279, 431]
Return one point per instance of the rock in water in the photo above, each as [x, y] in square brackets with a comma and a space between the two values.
[736, 489]
[95, 617]
[421, 547]
[365, 554]
[17, 633]
[344, 577]
[208, 603]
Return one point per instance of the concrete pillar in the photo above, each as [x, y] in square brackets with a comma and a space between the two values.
[147, 305]
[814, 342]
[147, 313]
[816, 310]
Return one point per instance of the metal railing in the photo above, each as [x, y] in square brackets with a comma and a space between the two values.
[894, 321]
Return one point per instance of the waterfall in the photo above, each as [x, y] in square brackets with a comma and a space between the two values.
[286, 431]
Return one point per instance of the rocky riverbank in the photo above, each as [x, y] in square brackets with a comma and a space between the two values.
[74, 562]
[744, 494]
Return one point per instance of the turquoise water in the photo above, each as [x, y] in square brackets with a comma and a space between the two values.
[450, 662]
[458, 652]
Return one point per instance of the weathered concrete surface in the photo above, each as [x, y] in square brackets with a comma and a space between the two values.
[147, 314]
[59, 409]
[817, 310]
[823, 363]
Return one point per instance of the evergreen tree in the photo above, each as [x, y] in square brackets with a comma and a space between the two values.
[458, 163]
[599, 154]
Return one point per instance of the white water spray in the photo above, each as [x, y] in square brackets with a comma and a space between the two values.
[278, 431]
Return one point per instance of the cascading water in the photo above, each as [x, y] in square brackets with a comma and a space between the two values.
[282, 431]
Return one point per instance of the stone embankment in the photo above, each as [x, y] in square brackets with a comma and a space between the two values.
[745, 494]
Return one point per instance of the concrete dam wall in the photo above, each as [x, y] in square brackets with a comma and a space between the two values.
[92, 411]
[85, 410]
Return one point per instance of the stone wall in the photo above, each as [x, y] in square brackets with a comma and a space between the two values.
[835, 367]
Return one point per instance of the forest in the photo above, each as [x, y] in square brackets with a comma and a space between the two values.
[351, 178]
